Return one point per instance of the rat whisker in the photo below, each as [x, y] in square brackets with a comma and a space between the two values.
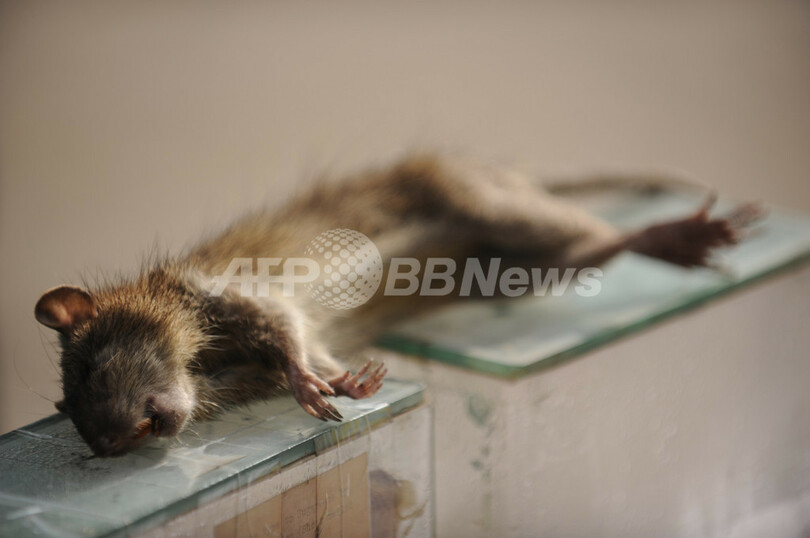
[23, 381]
[48, 347]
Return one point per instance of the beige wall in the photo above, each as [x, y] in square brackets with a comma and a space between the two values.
[126, 126]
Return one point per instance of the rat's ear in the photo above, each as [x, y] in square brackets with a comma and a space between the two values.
[64, 307]
[60, 406]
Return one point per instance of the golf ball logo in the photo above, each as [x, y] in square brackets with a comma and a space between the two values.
[351, 268]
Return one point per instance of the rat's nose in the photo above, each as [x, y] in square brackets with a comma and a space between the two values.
[106, 446]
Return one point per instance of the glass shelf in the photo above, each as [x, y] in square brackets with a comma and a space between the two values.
[513, 337]
[52, 485]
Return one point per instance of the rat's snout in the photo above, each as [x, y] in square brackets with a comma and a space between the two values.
[114, 422]
[111, 435]
[118, 440]
[106, 446]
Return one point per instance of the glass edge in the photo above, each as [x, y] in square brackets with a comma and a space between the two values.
[426, 350]
[276, 463]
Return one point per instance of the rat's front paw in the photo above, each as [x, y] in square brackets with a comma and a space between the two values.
[360, 385]
[309, 391]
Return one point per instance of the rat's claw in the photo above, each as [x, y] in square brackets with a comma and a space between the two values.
[362, 371]
[331, 412]
[711, 199]
[311, 410]
[309, 391]
[318, 407]
[322, 385]
[746, 215]
[342, 378]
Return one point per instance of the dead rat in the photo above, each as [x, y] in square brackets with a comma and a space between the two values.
[149, 355]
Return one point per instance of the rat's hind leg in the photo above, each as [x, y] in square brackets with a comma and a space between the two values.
[689, 242]
[686, 242]
[496, 207]
[504, 211]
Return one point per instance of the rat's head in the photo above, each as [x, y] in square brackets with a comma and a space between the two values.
[123, 363]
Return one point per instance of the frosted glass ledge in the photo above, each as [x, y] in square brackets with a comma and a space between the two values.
[511, 338]
[50, 484]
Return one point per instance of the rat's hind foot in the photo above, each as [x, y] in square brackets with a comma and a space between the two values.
[355, 386]
[689, 242]
[310, 391]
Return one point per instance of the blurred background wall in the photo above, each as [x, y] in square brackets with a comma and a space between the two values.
[125, 127]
